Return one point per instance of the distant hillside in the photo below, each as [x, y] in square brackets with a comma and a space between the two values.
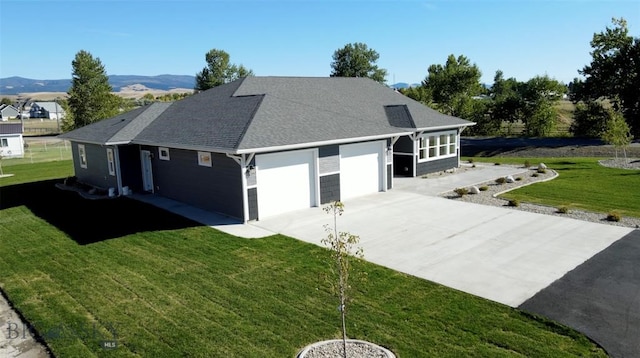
[402, 85]
[15, 85]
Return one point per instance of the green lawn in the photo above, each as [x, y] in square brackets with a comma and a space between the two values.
[162, 286]
[582, 184]
[23, 173]
[38, 152]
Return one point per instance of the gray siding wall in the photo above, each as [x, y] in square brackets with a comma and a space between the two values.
[97, 171]
[131, 167]
[252, 195]
[329, 188]
[389, 177]
[436, 165]
[329, 159]
[217, 188]
[404, 144]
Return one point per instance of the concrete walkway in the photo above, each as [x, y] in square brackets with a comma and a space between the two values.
[497, 253]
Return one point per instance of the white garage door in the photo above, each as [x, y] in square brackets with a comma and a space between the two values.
[286, 182]
[360, 169]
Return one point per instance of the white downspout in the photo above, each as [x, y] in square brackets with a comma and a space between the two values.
[118, 171]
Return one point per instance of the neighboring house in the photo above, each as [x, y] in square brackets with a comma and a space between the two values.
[48, 110]
[260, 146]
[11, 142]
[7, 112]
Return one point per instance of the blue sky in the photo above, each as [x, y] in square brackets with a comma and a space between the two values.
[39, 38]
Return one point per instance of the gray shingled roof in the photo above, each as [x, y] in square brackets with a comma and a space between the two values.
[267, 112]
[122, 128]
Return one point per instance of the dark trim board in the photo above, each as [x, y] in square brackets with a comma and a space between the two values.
[252, 199]
[329, 188]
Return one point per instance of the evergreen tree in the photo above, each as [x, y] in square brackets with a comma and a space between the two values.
[90, 97]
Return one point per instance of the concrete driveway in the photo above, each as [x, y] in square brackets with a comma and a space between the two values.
[497, 253]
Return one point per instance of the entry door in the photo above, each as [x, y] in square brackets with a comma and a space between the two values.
[147, 174]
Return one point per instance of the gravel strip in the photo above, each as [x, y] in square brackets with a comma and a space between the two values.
[493, 189]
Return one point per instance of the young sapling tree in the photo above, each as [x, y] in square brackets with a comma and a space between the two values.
[343, 248]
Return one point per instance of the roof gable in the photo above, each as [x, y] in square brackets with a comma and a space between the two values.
[121, 128]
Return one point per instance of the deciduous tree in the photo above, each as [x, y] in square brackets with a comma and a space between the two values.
[343, 247]
[219, 70]
[618, 133]
[613, 72]
[453, 85]
[590, 119]
[357, 60]
[90, 98]
[540, 95]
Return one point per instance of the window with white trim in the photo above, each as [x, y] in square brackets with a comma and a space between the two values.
[4, 142]
[437, 145]
[111, 162]
[163, 153]
[204, 159]
[82, 155]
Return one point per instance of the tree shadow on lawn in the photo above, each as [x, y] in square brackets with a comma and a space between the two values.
[87, 221]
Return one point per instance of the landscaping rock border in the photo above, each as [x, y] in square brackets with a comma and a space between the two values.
[355, 349]
[490, 197]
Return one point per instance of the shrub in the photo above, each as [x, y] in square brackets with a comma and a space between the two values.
[542, 170]
[514, 202]
[496, 163]
[614, 216]
[535, 175]
[470, 160]
[562, 210]
[461, 191]
[473, 165]
[501, 180]
[483, 188]
[518, 178]
[527, 164]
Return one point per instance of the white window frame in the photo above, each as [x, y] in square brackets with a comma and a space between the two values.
[429, 146]
[82, 155]
[111, 163]
[204, 159]
[165, 150]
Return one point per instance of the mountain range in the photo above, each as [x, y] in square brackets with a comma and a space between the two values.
[15, 85]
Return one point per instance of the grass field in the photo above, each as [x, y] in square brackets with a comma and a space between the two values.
[41, 151]
[34, 127]
[565, 109]
[582, 184]
[163, 286]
